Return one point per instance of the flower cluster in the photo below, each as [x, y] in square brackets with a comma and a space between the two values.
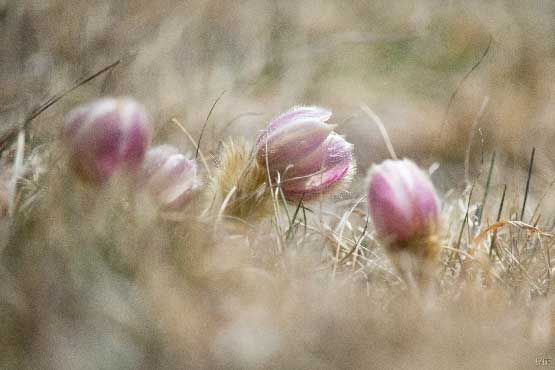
[113, 135]
[299, 152]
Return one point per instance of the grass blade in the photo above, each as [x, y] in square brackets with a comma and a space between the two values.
[486, 191]
[531, 165]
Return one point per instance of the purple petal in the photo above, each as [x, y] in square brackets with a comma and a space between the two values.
[291, 116]
[316, 113]
[179, 202]
[289, 143]
[402, 199]
[156, 157]
[388, 209]
[138, 131]
[334, 151]
[170, 177]
[316, 184]
[105, 135]
[424, 198]
[97, 147]
[175, 170]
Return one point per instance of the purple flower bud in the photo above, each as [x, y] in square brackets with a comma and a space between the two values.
[169, 177]
[302, 147]
[107, 135]
[317, 113]
[402, 200]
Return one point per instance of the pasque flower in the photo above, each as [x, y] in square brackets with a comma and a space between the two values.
[404, 208]
[402, 201]
[304, 150]
[107, 135]
[169, 176]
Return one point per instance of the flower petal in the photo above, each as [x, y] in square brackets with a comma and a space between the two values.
[388, 202]
[332, 152]
[288, 143]
[316, 184]
[402, 199]
[316, 113]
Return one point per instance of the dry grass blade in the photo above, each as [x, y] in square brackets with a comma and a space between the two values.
[17, 171]
[54, 99]
[479, 115]
[226, 201]
[186, 132]
[499, 213]
[524, 271]
[498, 225]
[357, 244]
[454, 94]
[382, 129]
[342, 223]
[486, 191]
[485, 266]
[528, 180]
[206, 123]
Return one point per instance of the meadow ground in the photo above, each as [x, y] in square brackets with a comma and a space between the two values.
[98, 279]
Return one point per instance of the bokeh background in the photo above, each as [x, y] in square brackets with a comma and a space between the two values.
[452, 81]
[404, 60]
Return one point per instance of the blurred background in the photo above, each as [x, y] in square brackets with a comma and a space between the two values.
[452, 81]
[406, 60]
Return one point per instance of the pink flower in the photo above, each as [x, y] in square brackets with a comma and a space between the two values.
[170, 177]
[107, 135]
[402, 200]
[304, 150]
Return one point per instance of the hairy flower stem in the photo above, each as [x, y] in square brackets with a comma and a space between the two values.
[416, 260]
[239, 187]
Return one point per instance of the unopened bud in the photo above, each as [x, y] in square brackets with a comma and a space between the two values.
[304, 150]
[402, 201]
[105, 136]
[170, 177]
